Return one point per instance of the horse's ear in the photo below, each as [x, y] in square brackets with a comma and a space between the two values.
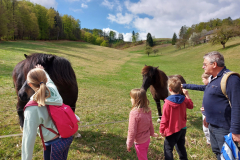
[50, 58]
[25, 55]
[157, 67]
[145, 65]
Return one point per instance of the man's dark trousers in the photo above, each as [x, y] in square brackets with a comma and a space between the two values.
[217, 139]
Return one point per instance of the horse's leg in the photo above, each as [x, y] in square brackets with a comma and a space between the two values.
[159, 110]
[76, 135]
[73, 107]
[20, 106]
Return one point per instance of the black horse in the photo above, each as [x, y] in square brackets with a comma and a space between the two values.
[157, 81]
[59, 70]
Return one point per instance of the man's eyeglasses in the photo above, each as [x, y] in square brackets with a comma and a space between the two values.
[206, 64]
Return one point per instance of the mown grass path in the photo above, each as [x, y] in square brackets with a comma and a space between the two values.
[105, 77]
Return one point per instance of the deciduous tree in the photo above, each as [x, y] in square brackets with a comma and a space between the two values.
[148, 50]
[224, 33]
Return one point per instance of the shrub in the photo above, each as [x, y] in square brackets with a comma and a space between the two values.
[99, 40]
[104, 43]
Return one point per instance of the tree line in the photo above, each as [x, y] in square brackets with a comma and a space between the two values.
[100, 37]
[26, 20]
[219, 31]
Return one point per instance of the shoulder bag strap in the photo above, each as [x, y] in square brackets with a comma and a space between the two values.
[224, 84]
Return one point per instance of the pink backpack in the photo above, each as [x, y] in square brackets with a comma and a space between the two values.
[62, 116]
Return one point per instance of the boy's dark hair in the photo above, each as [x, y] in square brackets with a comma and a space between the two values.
[175, 84]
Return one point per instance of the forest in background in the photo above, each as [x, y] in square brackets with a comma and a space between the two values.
[28, 21]
[24, 20]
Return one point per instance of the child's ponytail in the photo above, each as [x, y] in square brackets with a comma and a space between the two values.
[38, 79]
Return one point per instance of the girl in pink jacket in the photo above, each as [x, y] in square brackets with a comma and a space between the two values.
[140, 126]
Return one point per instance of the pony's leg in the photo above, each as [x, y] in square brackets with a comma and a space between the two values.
[21, 119]
[20, 107]
[76, 135]
[159, 110]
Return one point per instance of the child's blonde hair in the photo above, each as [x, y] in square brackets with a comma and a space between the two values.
[38, 79]
[175, 84]
[206, 76]
[140, 99]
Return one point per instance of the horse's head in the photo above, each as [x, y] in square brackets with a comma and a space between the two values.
[25, 92]
[149, 76]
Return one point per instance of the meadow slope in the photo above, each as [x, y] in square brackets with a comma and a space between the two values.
[105, 77]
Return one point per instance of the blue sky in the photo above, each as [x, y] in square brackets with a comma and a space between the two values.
[159, 17]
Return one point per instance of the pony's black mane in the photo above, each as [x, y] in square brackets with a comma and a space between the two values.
[58, 68]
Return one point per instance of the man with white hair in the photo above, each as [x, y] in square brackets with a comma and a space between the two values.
[221, 119]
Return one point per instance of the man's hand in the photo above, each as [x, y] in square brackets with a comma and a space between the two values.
[205, 123]
[236, 137]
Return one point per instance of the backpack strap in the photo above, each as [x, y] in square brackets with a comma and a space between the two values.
[41, 135]
[30, 103]
[224, 83]
[33, 103]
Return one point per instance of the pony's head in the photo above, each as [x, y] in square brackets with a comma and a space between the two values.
[25, 92]
[30, 62]
[149, 74]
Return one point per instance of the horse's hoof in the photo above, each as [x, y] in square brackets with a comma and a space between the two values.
[21, 128]
[77, 135]
[159, 120]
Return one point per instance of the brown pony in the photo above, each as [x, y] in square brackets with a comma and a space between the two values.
[59, 70]
[157, 81]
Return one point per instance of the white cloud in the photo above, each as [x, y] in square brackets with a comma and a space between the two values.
[73, 0]
[121, 19]
[128, 36]
[113, 4]
[46, 3]
[84, 5]
[75, 10]
[108, 4]
[118, 6]
[163, 17]
[107, 30]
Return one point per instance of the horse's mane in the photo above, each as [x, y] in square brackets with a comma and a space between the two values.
[58, 68]
[160, 76]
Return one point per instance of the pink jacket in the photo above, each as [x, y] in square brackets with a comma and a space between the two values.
[174, 116]
[140, 127]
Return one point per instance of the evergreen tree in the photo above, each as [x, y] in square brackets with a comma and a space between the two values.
[149, 40]
[174, 39]
[133, 37]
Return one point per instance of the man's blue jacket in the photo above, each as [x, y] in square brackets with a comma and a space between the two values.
[217, 109]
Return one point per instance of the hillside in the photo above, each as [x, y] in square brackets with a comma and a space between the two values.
[105, 77]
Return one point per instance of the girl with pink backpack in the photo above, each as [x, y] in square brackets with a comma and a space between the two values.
[46, 93]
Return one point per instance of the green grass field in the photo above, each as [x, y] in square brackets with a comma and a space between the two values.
[105, 77]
